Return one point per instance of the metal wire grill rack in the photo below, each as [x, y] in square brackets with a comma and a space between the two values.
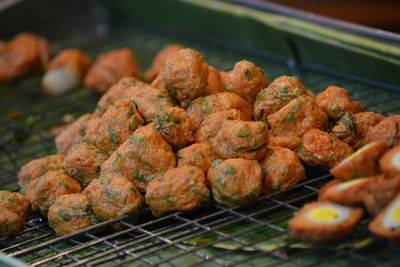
[251, 235]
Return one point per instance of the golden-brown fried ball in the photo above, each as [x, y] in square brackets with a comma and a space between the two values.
[379, 192]
[290, 142]
[387, 130]
[199, 155]
[150, 101]
[72, 135]
[175, 126]
[241, 139]
[112, 196]
[387, 224]
[280, 92]
[390, 162]
[73, 58]
[43, 191]
[214, 82]
[71, 213]
[298, 116]
[324, 222]
[36, 168]
[362, 163]
[159, 61]
[66, 71]
[282, 169]
[144, 154]
[349, 193]
[115, 92]
[321, 149]
[24, 54]
[92, 126]
[119, 121]
[184, 75]
[212, 123]
[14, 210]
[110, 68]
[335, 101]
[235, 181]
[352, 128]
[83, 162]
[246, 80]
[178, 189]
[200, 108]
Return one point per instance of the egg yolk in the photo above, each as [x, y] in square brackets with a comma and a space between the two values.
[324, 214]
[395, 214]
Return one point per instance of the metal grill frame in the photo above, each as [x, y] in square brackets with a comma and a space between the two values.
[140, 243]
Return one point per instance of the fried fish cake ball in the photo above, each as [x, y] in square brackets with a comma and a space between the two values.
[290, 142]
[246, 79]
[150, 101]
[71, 213]
[335, 101]
[390, 162]
[241, 139]
[72, 135]
[282, 169]
[362, 163]
[116, 92]
[83, 162]
[179, 189]
[66, 71]
[214, 82]
[199, 155]
[110, 67]
[387, 130]
[324, 221]
[200, 108]
[175, 126]
[14, 210]
[184, 75]
[387, 223]
[212, 123]
[379, 192]
[280, 92]
[298, 116]
[235, 181]
[36, 168]
[24, 54]
[119, 121]
[349, 193]
[318, 148]
[159, 61]
[352, 128]
[144, 154]
[43, 191]
[112, 196]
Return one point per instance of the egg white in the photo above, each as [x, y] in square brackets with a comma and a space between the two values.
[395, 161]
[350, 183]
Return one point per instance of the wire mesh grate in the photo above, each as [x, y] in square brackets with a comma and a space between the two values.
[249, 235]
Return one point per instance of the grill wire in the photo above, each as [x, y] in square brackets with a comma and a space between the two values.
[213, 235]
